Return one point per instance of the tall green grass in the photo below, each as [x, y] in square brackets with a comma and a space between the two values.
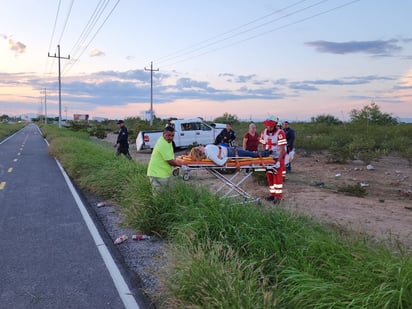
[226, 256]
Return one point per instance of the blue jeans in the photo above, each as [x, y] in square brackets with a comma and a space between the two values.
[231, 152]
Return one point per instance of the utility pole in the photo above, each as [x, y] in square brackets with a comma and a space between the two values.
[45, 105]
[60, 83]
[151, 90]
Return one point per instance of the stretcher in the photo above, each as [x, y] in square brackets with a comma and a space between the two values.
[243, 168]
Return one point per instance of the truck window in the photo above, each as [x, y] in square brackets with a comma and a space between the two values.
[196, 126]
[204, 127]
[186, 126]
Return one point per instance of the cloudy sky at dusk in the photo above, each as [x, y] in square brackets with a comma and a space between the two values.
[293, 59]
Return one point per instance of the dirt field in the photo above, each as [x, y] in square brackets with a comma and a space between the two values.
[385, 213]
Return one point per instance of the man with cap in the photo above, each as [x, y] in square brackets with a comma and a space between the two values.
[122, 143]
[273, 138]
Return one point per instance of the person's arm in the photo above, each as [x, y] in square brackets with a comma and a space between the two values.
[233, 136]
[244, 141]
[173, 162]
[213, 155]
[292, 139]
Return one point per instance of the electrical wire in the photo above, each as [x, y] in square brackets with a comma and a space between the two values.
[262, 33]
[228, 32]
[70, 66]
[250, 29]
[66, 21]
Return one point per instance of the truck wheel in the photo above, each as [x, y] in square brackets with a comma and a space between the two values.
[186, 177]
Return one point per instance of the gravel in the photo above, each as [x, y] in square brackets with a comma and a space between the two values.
[144, 258]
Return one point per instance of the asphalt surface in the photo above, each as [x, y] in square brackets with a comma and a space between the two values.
[50, 256]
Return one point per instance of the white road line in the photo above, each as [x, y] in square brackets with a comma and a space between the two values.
[121, 286]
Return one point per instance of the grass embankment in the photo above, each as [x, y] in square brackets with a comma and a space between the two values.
[7, 129]
[226, 256]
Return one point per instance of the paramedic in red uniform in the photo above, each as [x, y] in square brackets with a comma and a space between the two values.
[273, 138]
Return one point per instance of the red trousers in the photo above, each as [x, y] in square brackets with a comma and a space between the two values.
[275, 180]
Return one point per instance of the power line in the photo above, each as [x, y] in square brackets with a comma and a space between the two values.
[251, 29]
[230, 31]
[89, 26]
[263, 33]
[65, 22]
[95, 34]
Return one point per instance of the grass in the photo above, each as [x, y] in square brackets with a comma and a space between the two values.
[225, 256]
[7, 129]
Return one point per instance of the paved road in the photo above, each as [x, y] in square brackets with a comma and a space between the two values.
[51, 255]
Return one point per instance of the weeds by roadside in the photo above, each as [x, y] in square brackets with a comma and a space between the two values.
[225, 256]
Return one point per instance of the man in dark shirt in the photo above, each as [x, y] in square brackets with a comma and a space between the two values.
[122, 143]
[290, 150]
[226, 137]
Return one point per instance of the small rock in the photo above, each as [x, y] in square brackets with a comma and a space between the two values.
[364, 184]
[101, 204]
[338, 175]
[370, 167]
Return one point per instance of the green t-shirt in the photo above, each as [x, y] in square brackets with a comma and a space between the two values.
[162, 152]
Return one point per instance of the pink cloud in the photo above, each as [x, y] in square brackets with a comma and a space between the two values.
[17, 47]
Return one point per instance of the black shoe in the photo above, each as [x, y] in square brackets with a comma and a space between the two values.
[276, 201]
[269, 198]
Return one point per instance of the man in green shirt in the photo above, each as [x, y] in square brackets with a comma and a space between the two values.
[162, 160]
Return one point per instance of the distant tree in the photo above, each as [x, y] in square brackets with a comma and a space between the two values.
[227, 118]
[4, 117]
[326, 119]
[371, 114]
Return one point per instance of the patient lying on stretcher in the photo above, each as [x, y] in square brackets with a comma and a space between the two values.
[220, 155]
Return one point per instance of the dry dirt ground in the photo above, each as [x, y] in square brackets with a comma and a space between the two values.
[385, 213]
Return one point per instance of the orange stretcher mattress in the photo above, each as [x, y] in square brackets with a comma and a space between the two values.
[231, 162]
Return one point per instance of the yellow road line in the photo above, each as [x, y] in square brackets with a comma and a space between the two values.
[2, 185]
[15, 160]
[10, 170]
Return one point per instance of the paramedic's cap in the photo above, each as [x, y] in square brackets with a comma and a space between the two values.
[270, 122]
[120, 121]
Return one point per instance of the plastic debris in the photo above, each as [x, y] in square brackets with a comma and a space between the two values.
[120, 239]
[338, 175]
[370, 167]
[140, 237]
[364, 184]
[101, 204]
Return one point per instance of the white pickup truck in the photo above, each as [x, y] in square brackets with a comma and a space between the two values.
[187, 132]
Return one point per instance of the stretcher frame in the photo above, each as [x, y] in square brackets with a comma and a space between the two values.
[230, 184]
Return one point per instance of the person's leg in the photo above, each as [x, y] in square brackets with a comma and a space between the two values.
[159, 184]
[270, 180]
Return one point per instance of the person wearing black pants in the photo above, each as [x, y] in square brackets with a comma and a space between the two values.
[122, 143]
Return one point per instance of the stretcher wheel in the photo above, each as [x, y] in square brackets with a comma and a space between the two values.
[186, 177]
[175, 172]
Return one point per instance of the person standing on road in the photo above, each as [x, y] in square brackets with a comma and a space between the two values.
[162, 160]
[251, 139]
[122, 143]
[226, 137]
[274, 139]
[290, 148]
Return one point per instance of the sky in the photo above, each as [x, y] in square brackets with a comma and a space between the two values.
[252, 59]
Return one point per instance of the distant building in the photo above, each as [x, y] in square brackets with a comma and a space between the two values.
[146, 115]
[81, 117]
